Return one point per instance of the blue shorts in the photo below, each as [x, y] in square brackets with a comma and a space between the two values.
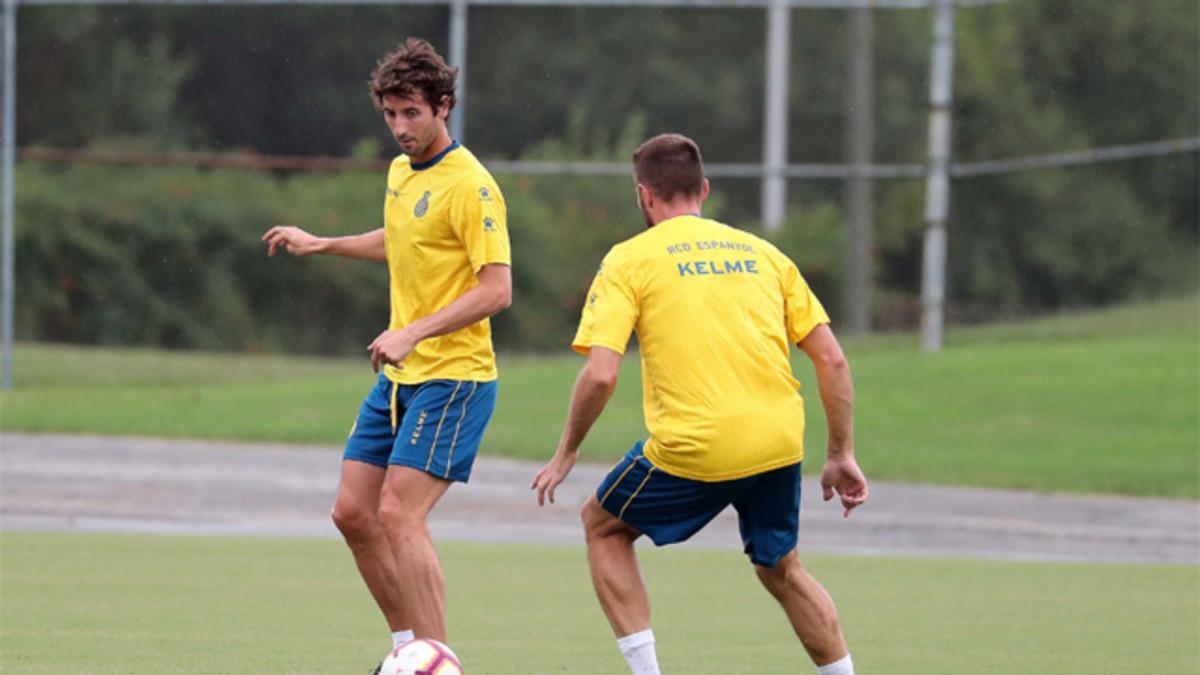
[670, 509]
[435, 426]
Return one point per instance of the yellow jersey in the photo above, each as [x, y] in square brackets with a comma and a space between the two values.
[443, 220]
[716, 311]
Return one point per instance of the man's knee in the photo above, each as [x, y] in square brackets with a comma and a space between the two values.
[355, 511]
[787, 573]
[398, 518]
[591, 514]
[354, 520]
[408, 497]
[599, 524]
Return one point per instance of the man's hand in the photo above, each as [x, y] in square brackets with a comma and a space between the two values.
[295, 240]
[842, 475]
[391, 347]
[595, 385]
[553, 474]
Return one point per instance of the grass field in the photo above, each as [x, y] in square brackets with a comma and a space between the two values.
[128, 604]
[1103, 401]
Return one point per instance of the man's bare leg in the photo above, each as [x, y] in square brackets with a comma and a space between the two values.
[615, 573]
[808, 606]
[408, 496]
[619, 585]
[356, 514]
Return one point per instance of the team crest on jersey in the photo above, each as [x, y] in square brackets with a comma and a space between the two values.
[485, 195]
[422, 206]
[489, 225]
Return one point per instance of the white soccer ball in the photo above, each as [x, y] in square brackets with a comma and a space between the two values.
[422, 657]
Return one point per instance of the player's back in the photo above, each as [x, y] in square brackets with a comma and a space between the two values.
[716, 311]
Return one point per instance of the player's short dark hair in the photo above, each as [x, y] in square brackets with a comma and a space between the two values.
[670, 165]
[414, 69]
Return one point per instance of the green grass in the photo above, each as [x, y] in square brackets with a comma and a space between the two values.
[129, 604]
[1104, 401]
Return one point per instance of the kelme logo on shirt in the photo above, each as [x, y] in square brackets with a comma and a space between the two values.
[422, 206]
[485, 195]
[489, 225]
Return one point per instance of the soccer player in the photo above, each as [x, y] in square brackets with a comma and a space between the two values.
[445, 242]
[714, 309]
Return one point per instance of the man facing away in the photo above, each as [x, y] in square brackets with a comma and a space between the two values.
[715, 309]
[445, 242]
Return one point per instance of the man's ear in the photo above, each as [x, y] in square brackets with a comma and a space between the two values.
[645, 196]
[443, 108]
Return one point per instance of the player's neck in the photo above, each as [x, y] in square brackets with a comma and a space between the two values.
[677, 209]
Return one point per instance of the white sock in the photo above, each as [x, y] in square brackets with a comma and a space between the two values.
[400, 637]
[843, 666]
[638, 650]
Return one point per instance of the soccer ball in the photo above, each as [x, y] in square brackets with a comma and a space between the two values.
[422, 657]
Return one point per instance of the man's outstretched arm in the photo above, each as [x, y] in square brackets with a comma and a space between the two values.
[593, 388]
[366, 246]
[841, 473]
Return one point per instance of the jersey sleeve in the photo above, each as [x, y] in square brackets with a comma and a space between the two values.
[480, 220]
[802, 310]
[610, 311]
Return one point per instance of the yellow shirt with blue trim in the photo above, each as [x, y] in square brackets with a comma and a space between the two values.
[443, 220]
[716, 311]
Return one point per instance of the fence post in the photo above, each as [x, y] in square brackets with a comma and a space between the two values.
[8, 151]
[458, 57]
[775, 115]
[937, 184]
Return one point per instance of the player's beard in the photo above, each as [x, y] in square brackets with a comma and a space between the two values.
[420, 145]
[645, 213]
[417, 148]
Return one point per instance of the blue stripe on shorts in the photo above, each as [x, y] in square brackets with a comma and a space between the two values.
[670, 509]
[437, 426]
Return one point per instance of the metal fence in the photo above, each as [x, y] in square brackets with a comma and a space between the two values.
[773, 170]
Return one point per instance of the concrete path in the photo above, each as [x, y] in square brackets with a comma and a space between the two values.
[55, 482]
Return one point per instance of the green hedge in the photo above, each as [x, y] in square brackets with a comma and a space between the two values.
[172, 257]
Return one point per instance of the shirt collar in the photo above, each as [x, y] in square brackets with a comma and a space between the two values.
[421, 166]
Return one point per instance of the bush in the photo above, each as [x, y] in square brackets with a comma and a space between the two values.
[173, 257]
